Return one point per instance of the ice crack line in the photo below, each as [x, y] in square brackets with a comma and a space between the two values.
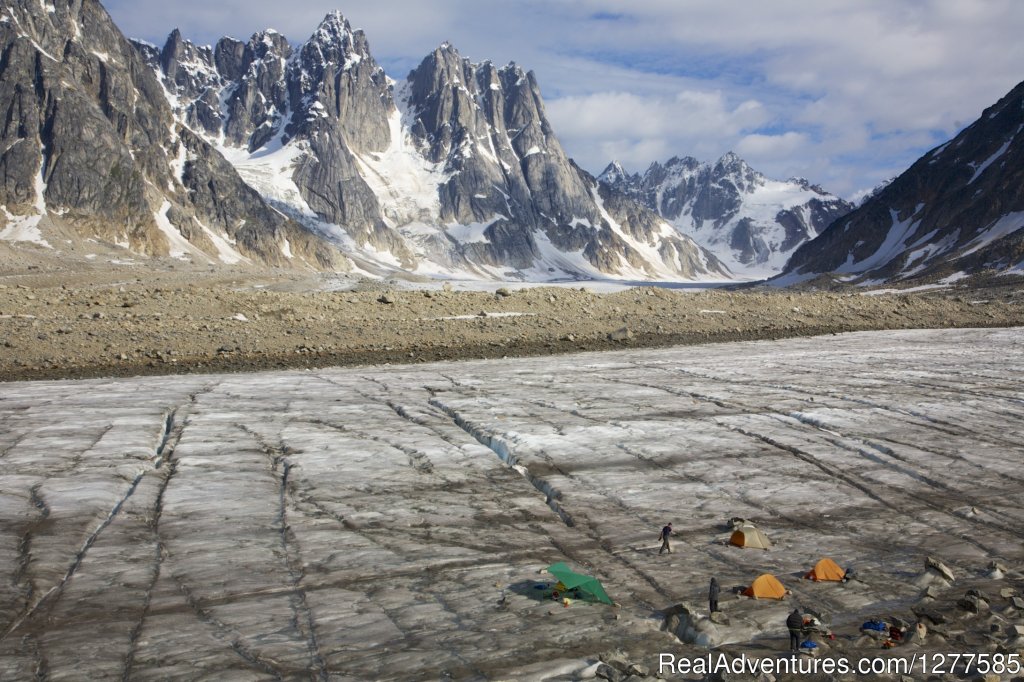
[853, 480]
[500, 448]
[25, 545]
[58, 589]
[230, 638]
[293, 562]
[158, 559]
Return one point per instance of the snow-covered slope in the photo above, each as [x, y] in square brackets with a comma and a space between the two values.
[959, 208]
[750, 222]
[452, 171]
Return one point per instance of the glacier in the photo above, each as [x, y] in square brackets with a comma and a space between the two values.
[393, 522]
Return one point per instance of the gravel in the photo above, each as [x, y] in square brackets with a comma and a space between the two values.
[78, 322]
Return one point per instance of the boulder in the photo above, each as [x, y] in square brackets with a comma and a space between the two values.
[638, 670]
[684, 622]
[900, 623]
[621, 334]
[617, 660]
[972, 604]
[932, 617]
[976, 593]
[942, 569]
[606, 672]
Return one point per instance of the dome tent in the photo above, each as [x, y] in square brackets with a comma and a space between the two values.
[765, 586]
[826, 570]
[750, 536]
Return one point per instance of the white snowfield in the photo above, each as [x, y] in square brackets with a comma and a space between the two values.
[353, 524]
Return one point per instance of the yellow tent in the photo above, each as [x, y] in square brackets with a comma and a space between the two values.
[826, 569]
[765, 586]
[750, 536]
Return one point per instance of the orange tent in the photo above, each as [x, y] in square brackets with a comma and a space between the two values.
[749, 536]
[826, 569]
[765, 586]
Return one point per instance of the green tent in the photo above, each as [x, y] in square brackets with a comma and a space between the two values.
[587, 585]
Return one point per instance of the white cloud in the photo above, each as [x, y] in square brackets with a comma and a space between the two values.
[758, 146]
[638, 129]
[840, 92]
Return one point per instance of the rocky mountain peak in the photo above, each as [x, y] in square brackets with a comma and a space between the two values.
[334, 27]
[683, 162]
[94, 137]
[734, 169]
[268, 43]
[188, 68]
[335, 43]
[335, 85]
[614, 174]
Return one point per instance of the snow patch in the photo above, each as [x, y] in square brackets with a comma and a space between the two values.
[405, 184]
[1008, 224]
[25, 228]
[179, 246]
[225, 250]
[472, 232]
[894, 244]
[989, 161]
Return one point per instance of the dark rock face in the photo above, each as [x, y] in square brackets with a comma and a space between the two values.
[959, 208]
[492, 189]
[751, 222]
[88, 125]
[131, 143]
[71, 121]
[487, 128]
[340, 102]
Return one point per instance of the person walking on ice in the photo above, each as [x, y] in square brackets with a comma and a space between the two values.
[665, 533]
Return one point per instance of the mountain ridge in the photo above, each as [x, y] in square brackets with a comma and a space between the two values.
[91, 150]
[455, 170]
[749, 221]
[959, 209]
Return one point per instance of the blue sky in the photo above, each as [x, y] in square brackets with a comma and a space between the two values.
[846, 93]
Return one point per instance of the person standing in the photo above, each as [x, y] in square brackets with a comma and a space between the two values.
[795, 624]
[713, 591]
[665, 533]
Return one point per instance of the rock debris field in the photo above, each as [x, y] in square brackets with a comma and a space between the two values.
[78, 323]
[394, 522]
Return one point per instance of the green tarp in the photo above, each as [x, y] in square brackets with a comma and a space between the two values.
[587, 585]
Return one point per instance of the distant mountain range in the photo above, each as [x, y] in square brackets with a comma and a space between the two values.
[311, 156]
[750, 222]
